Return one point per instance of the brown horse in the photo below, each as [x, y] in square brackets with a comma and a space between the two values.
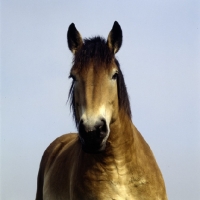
[108, 159]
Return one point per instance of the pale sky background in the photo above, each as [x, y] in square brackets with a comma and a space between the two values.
[160, 59]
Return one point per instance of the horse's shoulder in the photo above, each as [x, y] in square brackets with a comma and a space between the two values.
[56, 147]
[62, 140]
[49, 156]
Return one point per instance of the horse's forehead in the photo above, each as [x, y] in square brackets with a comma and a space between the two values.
[93, 68]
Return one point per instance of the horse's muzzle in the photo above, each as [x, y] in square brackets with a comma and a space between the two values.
[93, 135]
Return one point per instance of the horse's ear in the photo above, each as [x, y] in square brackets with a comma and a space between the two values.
[114, 40]
[74, 38]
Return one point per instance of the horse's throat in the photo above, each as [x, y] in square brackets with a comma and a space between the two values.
[121, 135]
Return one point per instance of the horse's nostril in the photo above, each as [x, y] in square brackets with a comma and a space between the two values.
[104, 126]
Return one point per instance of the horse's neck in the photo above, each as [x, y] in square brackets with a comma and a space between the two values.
[120, 152]
[121, 134]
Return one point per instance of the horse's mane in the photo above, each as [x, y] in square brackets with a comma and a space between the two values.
[96, 49]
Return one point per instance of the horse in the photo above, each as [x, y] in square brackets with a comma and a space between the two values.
[108, 159]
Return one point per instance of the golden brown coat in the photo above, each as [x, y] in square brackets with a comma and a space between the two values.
[108, 159]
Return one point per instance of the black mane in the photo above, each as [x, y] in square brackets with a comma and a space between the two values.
[96, 49]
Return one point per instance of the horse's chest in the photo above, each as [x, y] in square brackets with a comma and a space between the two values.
[87, 188]
[102, 190]
[108, 186]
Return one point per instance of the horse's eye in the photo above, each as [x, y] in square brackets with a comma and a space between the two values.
[114, 77]
[73, 77]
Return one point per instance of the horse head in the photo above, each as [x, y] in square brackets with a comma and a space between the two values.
[95, 86]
